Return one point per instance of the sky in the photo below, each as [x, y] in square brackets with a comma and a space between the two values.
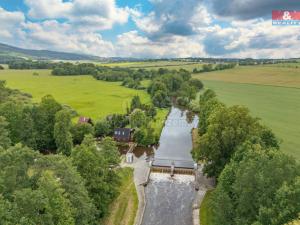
[151, 28]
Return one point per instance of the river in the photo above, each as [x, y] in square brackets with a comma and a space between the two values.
[169, 200]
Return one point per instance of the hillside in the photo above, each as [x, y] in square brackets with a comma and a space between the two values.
[10, 52]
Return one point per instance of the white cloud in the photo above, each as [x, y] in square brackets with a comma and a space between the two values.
[131, 44]
[10, 25]
[87, 14]
[177, 17]
[62, 37]
[256, 38]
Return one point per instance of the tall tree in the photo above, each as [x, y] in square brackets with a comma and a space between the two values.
[62, 134]
[259, 186]
[12, 111]
[135, 103]
[94, 168]
[138, 119]
[44, 116]
[40, 188]
[28, 134]
[227, 129]
[4, 134]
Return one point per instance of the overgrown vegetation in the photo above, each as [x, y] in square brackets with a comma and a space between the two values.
[123, 209]
[257, 183]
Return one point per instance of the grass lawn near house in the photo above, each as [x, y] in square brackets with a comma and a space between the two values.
[89, 97]
[124, 208]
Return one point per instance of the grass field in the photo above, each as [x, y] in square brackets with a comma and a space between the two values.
[274, 75]
[176, 65]
[278, 107]
[88, 97]
[205, 210]
[124, 207]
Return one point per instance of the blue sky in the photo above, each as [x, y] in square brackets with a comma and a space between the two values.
[151, 28]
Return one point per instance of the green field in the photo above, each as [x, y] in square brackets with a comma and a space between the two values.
[275, 75]
[88, 97]
[172, 65]
[278, 107]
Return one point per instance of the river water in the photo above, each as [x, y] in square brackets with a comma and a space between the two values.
[175, 143]
[169, 200]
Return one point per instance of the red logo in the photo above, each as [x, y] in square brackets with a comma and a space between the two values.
[285, 15]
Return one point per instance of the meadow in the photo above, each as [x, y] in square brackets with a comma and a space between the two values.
[172, 65]
[275, 75]
[278, 107]
[89, 97]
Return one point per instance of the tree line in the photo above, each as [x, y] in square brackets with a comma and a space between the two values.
[74, 186]
[164, 85]
[256, 182]
[173, 84]
[29, 64]
[211, 67]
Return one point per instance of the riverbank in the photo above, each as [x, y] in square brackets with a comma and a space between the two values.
[195, 136]
[205, 209]
[124, 208]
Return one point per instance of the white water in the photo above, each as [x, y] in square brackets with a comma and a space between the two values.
[177, 178]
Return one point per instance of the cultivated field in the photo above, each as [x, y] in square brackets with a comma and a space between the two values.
[275, 75]
[86, 95]
[278, 107]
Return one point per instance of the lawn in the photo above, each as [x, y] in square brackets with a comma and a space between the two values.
[205, 210]
[87, 96]
[278, 107]
[123, 209]
[275, 75]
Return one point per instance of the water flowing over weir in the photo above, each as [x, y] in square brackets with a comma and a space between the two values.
[169, 199]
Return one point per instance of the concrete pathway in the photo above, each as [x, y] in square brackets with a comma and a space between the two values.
[203, 184]
[141, 176]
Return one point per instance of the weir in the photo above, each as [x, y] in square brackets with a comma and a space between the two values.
[170, 189]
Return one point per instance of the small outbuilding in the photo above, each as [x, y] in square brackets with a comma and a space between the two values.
[123, 134]
[83, 119]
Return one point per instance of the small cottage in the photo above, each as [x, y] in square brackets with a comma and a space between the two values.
[83, 119]
[123, 134]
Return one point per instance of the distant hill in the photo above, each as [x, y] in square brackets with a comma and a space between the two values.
[11, 52]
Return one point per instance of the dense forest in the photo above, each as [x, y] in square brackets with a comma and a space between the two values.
[256, 182]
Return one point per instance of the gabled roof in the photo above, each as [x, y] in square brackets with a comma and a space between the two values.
[123, 133]
[83, 119]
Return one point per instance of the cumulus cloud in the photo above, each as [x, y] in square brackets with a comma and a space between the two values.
[177, 17]
[250, 9]
[256, 39]
[87, 14]
[131, 44]
[62, 37]
[10, 25]
[178, 28]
